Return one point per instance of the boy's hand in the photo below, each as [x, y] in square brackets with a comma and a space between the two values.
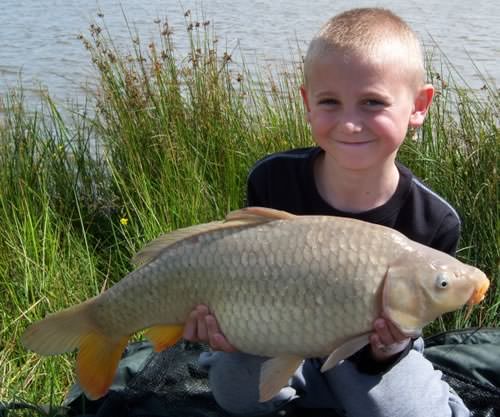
[387, 340]
[202, 326]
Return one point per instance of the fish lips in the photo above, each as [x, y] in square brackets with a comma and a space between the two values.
[479, 293]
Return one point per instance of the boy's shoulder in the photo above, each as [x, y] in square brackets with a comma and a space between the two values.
[282, 166]
[425, 216]
[284, 180]
[423, 195]
[292, 158]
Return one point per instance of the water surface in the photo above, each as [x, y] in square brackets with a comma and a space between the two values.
[39, 40]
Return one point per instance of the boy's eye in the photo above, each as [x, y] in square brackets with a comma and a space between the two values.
[328, 101]
[374, 103]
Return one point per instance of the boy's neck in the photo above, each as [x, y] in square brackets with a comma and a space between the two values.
[354, 190]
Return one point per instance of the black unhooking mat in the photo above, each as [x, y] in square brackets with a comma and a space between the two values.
[164, 384]
[470, 362]
[170, 383]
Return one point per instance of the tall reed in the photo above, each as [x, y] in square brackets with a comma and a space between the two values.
[47, 186]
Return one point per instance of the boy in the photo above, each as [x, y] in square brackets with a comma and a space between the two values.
[364, 87]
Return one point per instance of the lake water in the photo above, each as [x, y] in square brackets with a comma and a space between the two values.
[39, 39]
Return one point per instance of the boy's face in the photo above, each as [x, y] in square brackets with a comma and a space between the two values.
[360, 111]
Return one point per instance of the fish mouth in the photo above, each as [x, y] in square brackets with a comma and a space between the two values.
[479, 293]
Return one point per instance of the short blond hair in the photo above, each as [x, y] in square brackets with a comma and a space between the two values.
[369, 33]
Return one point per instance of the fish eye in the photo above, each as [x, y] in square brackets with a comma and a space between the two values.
[442, 281]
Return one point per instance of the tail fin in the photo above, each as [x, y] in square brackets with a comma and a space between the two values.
[70, 329]
[60, 332]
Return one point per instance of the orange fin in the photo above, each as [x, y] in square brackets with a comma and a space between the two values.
[164, 336]
[97, 361]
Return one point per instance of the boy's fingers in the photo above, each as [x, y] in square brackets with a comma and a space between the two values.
[217, 340]
[375, 342]
[212, 325]
[201, 327]
[202, 309]
[383, 332]
[383, 352]
[387, 340]
[396, 333]
[388, 332]
[190, 329]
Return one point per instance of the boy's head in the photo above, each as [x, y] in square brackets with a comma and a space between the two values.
[372, 34]
[364, 86]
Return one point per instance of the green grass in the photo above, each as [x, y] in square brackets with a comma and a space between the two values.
[169, 145]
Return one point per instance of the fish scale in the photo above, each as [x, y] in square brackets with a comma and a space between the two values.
[284, 286]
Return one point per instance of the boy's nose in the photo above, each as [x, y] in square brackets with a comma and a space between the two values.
[350, 121]
[350, 126]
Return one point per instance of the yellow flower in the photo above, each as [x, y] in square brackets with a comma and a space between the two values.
[124, 221]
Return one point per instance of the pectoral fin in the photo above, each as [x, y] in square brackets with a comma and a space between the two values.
[345, 350]
[164, 336]
[275, 373]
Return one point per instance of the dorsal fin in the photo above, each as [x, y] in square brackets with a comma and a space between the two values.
[259, 215]
[153, 248]
[245, 217]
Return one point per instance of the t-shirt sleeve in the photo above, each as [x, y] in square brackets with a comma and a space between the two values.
[255, 189]
[448, 235]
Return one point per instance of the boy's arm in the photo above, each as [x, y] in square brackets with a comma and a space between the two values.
[448, 235]
[254, 196]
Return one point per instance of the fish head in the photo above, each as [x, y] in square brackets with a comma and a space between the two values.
[423, 285]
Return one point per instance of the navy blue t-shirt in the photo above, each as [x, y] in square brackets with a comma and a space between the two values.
[285, 181]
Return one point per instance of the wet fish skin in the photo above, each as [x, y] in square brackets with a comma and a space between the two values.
[280, 285]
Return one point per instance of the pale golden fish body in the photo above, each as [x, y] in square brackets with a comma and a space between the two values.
[284, 286]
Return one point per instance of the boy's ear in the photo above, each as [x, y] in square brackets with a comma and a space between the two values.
[303, 93]
[421, 105]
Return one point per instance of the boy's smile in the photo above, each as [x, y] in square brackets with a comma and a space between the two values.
[360, 109]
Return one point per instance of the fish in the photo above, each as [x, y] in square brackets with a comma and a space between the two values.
[284, 286]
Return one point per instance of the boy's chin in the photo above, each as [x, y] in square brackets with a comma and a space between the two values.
[362, 164]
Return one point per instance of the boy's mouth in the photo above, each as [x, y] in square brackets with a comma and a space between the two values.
[354, 143]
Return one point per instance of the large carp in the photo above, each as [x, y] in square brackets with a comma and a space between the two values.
[284, 286]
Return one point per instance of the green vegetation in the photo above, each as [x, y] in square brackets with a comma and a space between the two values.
[169, 143]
